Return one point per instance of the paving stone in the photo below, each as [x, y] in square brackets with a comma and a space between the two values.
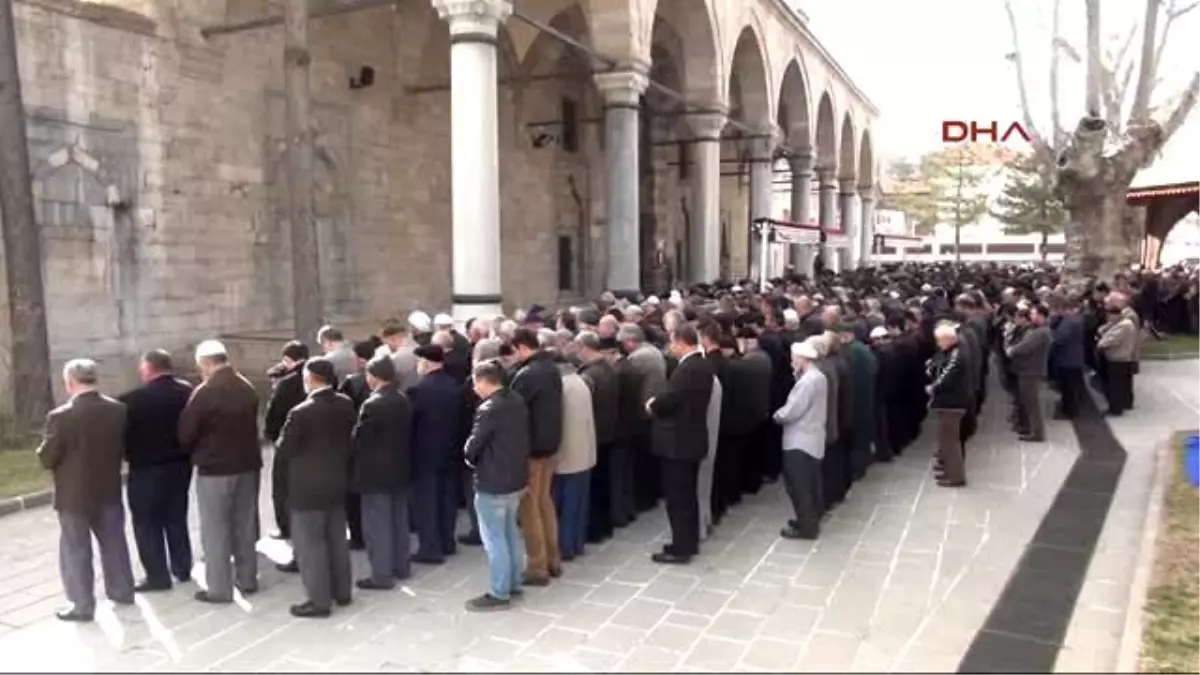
[710, 653]
[642, 614]
[673, 637]
[773, 655]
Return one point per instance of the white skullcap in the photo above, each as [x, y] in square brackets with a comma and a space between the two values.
[895, 295]
[768, 285]
[818, 297]
[443, 321]
[419, 321]
[210, 348]
[926, 288]
[804, 350]
[676, 298]
[945, 329]
[878, 332]
[790, 314]
[652, 300]
[737, 289]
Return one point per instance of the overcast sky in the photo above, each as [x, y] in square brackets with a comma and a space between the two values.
[923, 61]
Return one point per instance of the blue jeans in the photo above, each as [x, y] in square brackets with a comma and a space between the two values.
[502, 540]
[571, 493]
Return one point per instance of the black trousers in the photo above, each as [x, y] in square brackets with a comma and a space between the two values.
[1070, 387]
[468, 492]
[802, 480]
[772, 451]
[753, 464]
[435, 511]
[158, 504]
[1119, 386]
[679, 485]
[883, 440]
[600, 511]
[279, 495]
[727, 476]
[832, 476]
[646, 482]
[621, 479]
[354, 518]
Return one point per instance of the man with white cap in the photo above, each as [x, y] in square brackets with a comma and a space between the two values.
[803, 420]
[219, 427]
[420, 327]
[444, 323]
[401, 345]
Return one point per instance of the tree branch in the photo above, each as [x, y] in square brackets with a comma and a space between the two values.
[1172, 13]
[1039, 142]
[1187, 101]
[1140, 112]
[1055, 117]
[1094, 62]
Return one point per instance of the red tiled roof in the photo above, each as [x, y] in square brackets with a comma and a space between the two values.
[1157, 191]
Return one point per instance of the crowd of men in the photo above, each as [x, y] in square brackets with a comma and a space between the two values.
[555, 430]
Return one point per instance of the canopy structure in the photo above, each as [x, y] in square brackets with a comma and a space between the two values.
[1166, 192]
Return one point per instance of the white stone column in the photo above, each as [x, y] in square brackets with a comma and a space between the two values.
[802, 173]
[867, 225]
[826, 208]
[474, 154]
[622, 93]
[704, 239]
[762, 175]
[846, 220]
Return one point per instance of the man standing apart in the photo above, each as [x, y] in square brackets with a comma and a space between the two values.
[681, 441]
[382, 474]
[1028, 358]
[539, 383]
[219, 426]
[803, 420]
[498, 451]
[83, 447]
[287, 394]
[160, 472]
[316, 443]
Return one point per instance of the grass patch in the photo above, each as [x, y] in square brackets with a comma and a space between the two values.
[1171, 347]
[21, 473]
[1171, 640]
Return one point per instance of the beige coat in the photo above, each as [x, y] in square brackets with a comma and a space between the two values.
[577, 449]
[1119, 339]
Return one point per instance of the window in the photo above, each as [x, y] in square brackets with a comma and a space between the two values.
[566, 263]
[570, 122]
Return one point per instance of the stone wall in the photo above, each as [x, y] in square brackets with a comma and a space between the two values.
[160, 189]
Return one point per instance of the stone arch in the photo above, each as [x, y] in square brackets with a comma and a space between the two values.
[698, 58]
[866, 163]
[847, 152]
[825, 136]
[794, 112]
[749, 89]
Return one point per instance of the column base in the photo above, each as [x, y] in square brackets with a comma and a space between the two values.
[467, 307]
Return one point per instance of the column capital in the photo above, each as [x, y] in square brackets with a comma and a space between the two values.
[825, 176]
[480, 18]
[623, 88]
[846, 186]
[708, 124]
[866, 192]
[801, 164]
[767, 137]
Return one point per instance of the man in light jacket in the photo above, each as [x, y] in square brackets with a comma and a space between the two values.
[1028, 359]
[1119, 340]
[575, 459]
[803, 420]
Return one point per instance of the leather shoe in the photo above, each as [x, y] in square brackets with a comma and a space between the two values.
[1029, 438]
[148, 586]
[343, 602]
[470, 539]
[203, 596]
[291, 568]
[309, 611]
[280, 534]
[74, 615]
[247, 592]
[427, 559]
[556, 572]
[123, 601]
[943, 482]
[369, 584]
[665, 558]
[535, 581]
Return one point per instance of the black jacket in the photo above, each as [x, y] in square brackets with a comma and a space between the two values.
[539, 383]
[382, 449]
[1068, 342]
[602, 380]
[721, 369]
[681, 412]
[749, 378]
[287, 394]
[498, 448]
[439, 408]
[949, 378]
[356, 389]
[316, 443]
[152, 422]
[631, 414]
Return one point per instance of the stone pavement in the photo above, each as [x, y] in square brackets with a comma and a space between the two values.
[902, 579]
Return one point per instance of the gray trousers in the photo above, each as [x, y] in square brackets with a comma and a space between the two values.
[229, 531]
[704, 488]
[802, 481]
[1029, 405]
[323, 554]
[75, 556]
[385, 529]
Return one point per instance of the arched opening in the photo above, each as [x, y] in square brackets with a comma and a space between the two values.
[749, 104]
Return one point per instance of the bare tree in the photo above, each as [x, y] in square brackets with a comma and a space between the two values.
[30, 359]
[1095, 163]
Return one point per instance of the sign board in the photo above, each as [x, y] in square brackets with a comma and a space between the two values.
[898, 242]
[796, 235]
[891, 222]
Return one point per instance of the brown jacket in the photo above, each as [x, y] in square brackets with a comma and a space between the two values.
[84, 446]
[1120, 340]
[219, 426]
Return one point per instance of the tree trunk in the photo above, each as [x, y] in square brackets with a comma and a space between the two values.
[307, 304]
[30, 357]
[1096, 246]
[1045, 243]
